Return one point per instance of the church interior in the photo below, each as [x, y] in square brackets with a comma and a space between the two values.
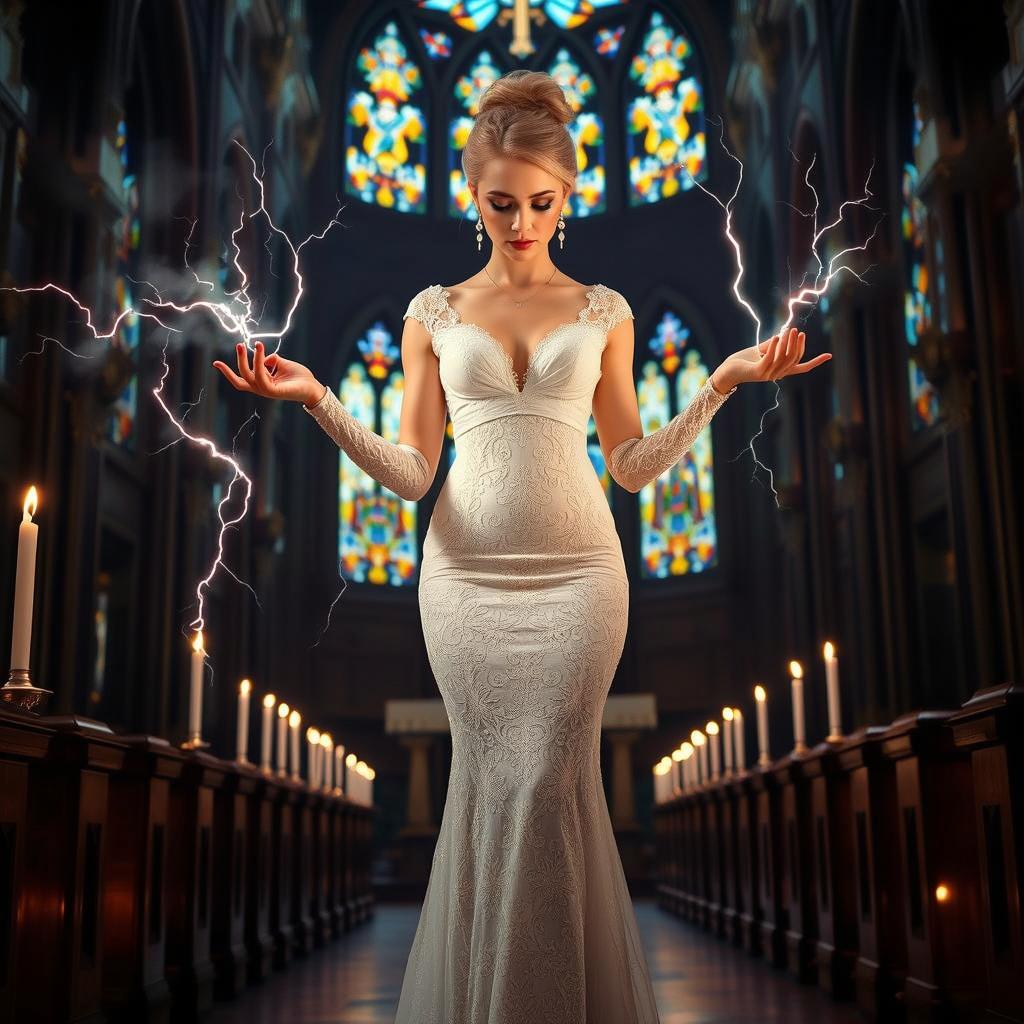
[223, 754]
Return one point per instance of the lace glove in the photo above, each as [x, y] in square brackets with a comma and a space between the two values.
[399, 467]
[639, 460]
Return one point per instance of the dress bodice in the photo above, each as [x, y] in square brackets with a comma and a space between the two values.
[478, 375]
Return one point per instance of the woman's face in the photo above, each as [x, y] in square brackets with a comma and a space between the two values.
[518, 201]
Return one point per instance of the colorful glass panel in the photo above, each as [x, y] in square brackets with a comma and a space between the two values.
[664, 116]
[437, 44]
[377, 533]
[677, 510]
[386, 127]
[597, 459]
[468, 90]
[608, 40]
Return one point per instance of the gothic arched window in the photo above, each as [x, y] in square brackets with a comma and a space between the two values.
[121, 424]
[610, 58]
[677, 511]
[386, 125]
[917, 306]
[377, 538]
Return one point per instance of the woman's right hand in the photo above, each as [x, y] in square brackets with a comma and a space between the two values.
[272, 376]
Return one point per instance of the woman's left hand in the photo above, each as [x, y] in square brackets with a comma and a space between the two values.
[773, 359]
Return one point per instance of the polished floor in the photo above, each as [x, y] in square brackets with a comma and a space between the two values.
[698, 980]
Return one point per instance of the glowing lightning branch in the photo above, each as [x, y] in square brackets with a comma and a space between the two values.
[804, 295]
[235, 317]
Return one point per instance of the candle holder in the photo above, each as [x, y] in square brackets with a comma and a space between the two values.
[196, 743]
[19, 692]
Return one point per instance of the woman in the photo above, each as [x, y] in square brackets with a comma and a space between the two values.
[523, 589]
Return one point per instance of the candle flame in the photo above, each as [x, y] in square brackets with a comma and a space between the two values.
[28, 509]
[372, 774]
[197, 644]
[697, 738]
[737, 712]
[361, 767]
[759, 693]
[294, 719]
[245, 686]
[942, 893]
[687, 749]
[282, 710]
[796, 670]
[677, 754]
[660, 768]
[711, 728]
[269, 701]
[350, 760]
[326, 741]
[727, 714]
[830, 651]
[313, 735]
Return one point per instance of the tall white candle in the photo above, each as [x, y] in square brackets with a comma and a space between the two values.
[699, 741]
[195, 702]
[242, 733]
[716, 761]
[312, 751]
[727, 717]
[267, 731]
[361, 768]
[24, 584]
[687, 749]
[370, 776]
[282, 738]
[797, 686]
[761, 699]
[326, 761]
[294, 721]
[350, 776]
[835, 728]
[339, 768]
[676, 771]
[739, 740]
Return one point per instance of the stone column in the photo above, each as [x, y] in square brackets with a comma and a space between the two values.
[419, 815]
[623, 803]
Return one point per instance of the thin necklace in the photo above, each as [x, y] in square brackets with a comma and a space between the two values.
[519, 303]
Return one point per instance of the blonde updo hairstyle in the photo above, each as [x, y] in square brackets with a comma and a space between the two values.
[523, 116]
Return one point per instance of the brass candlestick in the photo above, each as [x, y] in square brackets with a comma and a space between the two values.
[19, 692]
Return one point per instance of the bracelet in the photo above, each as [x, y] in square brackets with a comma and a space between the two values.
[318, 401]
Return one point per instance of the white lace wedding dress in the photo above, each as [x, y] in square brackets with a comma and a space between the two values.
[523, 597]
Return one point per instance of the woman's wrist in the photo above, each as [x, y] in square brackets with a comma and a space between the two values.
[720, 387]
[316, 393]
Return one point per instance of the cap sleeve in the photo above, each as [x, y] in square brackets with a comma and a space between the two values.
[431, 308]
[608, 308]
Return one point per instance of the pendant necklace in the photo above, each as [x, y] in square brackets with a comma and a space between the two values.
[519, 303]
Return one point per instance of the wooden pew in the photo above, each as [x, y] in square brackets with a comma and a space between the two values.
[24, 741]
[259, 845]
[772, 896]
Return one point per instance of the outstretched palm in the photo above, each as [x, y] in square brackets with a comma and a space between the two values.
[773, 359]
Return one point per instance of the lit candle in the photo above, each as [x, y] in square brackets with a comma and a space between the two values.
[727, 717]
[761, 699]
[195, 703]
[698, 739]
[662, 775]
[339, 768]
[676, 773]
[687, 749]
[797, 686]
[716, 761]
[294, 721]
[24, 584]
[835, 729]
[312, 750]
[265, 737]
[326, 748]
[739, 740]
[282, 738]
[350, 776]
[371, 774]
[242, 735]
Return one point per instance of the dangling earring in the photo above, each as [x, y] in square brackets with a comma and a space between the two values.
[479, 232]
[561, 233]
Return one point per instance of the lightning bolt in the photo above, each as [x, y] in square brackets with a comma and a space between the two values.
[233, 315]
[804, 295]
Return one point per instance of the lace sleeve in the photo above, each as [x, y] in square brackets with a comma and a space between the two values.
[639, 460]
[399, 467]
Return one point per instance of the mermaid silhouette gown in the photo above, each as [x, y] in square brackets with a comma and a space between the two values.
[523, 598]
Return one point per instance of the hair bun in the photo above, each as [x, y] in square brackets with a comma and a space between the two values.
[522, 89]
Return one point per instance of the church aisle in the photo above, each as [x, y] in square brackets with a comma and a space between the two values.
[698, 980]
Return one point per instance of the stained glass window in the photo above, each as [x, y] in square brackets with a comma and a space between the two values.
[587, 132]
[468, 88]
[677, 510]
[917, 308]
[664, 115]
[121, 424]
[386, 127]
[377, 540]
[437, 44]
